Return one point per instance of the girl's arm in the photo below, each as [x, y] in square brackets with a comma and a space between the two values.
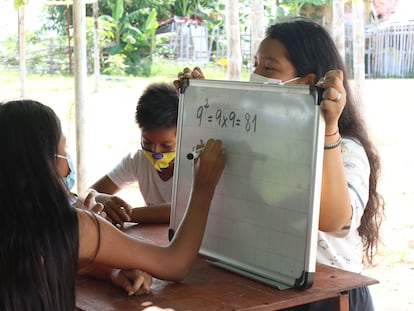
[159, 214]
[116, 249]
[134, 281]
[335, 208]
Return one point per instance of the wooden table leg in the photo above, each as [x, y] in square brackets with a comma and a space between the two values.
[342, 301]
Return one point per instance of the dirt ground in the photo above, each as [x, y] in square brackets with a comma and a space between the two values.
[111, 132]
[389, 111]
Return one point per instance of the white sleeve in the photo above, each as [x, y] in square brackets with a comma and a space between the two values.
[125, 172]
[357, 172]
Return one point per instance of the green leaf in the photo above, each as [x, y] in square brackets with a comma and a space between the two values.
[118, 10]
[19, 3]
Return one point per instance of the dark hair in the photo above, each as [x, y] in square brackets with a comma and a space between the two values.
[311, 49]
[39, 229]
[157, 107]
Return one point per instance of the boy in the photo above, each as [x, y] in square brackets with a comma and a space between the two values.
[152, 165]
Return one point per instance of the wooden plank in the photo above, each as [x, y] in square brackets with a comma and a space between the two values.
[211, 288]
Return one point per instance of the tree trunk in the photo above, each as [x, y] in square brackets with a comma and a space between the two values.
[22, 51]
[358, 33]
[233, 40]
[257, 27]
[79, 27]
[96, 44]
[338, 26]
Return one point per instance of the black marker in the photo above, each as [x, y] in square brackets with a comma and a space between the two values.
[195, 153]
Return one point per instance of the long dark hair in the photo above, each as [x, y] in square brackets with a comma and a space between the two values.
[311, 50]
[39, 229]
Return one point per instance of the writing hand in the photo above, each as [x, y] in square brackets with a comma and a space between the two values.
[210, 164]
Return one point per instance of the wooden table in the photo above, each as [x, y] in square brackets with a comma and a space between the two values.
[208, 287]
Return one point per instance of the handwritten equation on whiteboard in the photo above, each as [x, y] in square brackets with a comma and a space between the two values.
[231, 119]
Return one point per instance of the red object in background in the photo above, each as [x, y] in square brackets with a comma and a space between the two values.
[384, 8]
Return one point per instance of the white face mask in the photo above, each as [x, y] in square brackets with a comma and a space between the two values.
[254, 77]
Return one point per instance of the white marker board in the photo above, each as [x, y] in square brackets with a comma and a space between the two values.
[263, 220]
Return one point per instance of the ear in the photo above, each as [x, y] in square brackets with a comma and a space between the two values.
[310, 79]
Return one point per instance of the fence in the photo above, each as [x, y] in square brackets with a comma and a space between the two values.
[191, 42]
[390, 51]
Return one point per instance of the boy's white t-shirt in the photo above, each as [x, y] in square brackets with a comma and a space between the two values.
[343, 249]
[135, 167]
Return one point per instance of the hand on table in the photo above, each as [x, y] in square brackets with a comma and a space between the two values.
[134, 282]
[117, 210]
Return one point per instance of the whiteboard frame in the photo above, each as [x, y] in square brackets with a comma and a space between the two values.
[305, 279]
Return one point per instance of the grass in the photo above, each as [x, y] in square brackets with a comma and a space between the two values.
[161, 71]
[40, 83]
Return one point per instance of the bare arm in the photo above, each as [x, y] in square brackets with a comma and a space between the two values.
[159, 214]
[134, 282]
[117, 249]
[105, 185]
[335, 208]
[116, 209]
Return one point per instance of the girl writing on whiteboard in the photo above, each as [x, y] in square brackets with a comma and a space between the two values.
[302, 52]
[44, 240]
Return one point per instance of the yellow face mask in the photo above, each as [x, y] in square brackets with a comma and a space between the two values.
[160, 161]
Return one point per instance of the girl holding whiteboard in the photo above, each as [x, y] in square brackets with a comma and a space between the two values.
[302, 52]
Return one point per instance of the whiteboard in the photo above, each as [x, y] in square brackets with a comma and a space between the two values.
[263, 220]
